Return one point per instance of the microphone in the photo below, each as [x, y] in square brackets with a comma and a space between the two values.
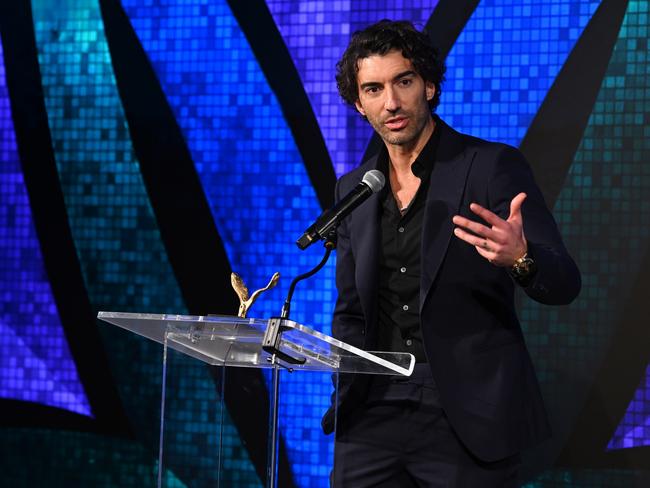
[372, 182]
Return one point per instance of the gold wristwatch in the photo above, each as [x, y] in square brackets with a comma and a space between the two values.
[523, 268]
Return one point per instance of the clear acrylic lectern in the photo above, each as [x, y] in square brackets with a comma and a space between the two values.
[244, 342]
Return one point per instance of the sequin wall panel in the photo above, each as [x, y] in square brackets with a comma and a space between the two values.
[260, 196]
[118, 243]
[255, 181]
[604, 214]
[627, 87]
[633, 430]
[35, 360]
[504, 62]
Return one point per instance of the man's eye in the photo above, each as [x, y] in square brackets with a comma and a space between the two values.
[372, 89]
[405, 82]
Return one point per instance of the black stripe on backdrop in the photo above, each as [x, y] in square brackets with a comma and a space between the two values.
[57, 245]
[553, 138]
[257, 23]
[187, 227]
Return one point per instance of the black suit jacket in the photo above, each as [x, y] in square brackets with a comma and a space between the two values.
[471, 334]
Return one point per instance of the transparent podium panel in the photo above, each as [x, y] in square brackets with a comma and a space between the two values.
[194, 425]
[235, 341]
[209, 423]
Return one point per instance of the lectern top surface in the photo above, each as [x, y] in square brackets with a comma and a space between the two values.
[235, 341]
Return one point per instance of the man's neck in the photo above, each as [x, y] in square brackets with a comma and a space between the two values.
[402, 156]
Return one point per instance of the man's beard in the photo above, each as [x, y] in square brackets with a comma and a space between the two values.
[417, 122]
[404, 138]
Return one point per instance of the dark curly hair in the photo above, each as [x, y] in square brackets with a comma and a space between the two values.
[380, 38]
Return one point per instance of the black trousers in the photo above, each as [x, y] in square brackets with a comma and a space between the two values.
[400, 437]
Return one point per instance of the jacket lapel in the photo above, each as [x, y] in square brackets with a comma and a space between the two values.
[444, 198]
[365, 245]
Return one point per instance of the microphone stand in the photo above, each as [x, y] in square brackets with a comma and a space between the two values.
[330, 245]
[271, 344]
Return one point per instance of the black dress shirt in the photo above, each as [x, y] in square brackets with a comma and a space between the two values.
[399, 260]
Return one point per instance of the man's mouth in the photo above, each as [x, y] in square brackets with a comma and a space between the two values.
[396, 123]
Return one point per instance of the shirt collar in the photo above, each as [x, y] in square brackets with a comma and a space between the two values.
[423, 164]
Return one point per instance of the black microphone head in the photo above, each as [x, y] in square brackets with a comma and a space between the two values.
[374, 179]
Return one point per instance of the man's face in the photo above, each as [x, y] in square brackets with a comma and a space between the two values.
[393, 97]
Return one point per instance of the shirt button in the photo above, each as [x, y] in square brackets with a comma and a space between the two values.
[403, 269]
[409, 342]
[401, 229]
[405, 308]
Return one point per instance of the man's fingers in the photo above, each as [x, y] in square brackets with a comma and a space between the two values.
[515, 206]
[477, 228]
[490, 250]
[501, 241]
[490, 217]
[472, 239]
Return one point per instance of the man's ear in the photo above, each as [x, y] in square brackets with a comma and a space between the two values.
[360, 109]
[430, 90]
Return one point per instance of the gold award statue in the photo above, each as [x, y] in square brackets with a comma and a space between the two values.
[246, 301]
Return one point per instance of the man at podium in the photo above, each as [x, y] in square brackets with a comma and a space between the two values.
[429, 266]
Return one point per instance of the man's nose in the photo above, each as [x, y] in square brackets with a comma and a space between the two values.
[392, 103]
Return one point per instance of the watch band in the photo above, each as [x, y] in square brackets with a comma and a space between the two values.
[523, 268]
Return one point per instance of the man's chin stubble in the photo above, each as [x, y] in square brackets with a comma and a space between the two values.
[397, 140]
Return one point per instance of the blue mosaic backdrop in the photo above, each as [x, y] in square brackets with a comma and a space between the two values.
[604, 198]
[35, 360]
[499, 71]
[634, 429]
[116, 237]
[504, 62]
[611, 180]
[254, 179]
[123, 260]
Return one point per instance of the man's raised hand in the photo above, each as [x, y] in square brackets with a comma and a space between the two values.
[503, 242]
